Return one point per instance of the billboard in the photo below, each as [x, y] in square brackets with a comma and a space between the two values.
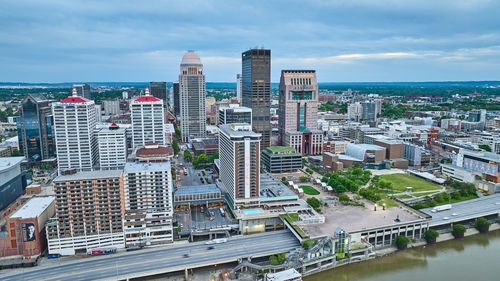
[29, 232]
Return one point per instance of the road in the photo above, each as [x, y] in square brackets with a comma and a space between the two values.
[161, 260]
[470, 209]
[192, 179]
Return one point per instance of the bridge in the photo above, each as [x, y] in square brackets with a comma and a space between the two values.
[465, 211]
[167, 259]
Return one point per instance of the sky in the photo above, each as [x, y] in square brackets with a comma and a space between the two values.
[344, 41]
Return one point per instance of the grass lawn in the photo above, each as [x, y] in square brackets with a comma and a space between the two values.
[309, 190]
[404, 196]
[388, 202]
[401, 181]
[424, 194]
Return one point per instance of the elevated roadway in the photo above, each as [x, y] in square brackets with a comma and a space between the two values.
[161, 260]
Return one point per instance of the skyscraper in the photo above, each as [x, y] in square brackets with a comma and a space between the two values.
[74, 128]
[177, 100]
[112, 143]
[88, 212]
[192, 97]
[239, 154]
[83, 90]
[36, 139]
[298, 111]
[159, 90]
[256, 94]
[148, 120]
[148, 199]
[234, 114]
[239, 82]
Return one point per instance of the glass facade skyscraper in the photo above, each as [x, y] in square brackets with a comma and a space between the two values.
[256, 93]
[36, 138]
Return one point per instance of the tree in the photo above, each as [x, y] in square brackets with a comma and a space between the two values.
[483, 225]
[485, 147]
[187, 155]
[175, 146]
[343, 198]
[174, 175]
[304, 179]
[313, 202]
[430, 236]
[458, 230]
[402, 242]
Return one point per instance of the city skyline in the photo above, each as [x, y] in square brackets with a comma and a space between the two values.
[345, 41]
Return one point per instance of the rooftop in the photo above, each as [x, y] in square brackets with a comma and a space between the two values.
[8, 162]
[147, 97]
[150, 167]
[273, 189]
[191, 58]
[280, 148]
[34, 207]
[74, 98]
[90, 175]
[239, 130]
[208, 188]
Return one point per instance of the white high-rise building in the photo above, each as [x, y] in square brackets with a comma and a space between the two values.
[148, 120]
[239, 87]
[112, 143]
[239, 154]
[74, 130]
[192, 97]
[148, 196]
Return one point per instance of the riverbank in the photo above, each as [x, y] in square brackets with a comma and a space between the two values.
[390, 262]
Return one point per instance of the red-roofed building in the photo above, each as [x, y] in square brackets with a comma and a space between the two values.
[148, 120]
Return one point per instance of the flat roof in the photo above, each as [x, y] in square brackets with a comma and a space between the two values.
[90, 175]
[280, 148]
[229, 130]
[8, 162]
[140, 167]
[208, 188]
[273, 189]
[34, 207]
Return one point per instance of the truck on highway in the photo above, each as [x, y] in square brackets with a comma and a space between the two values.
[216, 241]
[441, 208]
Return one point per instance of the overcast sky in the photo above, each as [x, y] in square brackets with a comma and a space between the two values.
[351, 40]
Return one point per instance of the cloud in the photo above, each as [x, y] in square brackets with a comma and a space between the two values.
[349, 40]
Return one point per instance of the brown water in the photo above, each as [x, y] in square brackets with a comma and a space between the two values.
[475, 258]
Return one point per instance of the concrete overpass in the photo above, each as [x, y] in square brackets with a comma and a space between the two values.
[465, 211]
[161, 260]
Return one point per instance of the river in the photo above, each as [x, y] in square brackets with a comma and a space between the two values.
[476, 258]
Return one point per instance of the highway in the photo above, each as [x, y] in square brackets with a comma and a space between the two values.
[471, 209]
[161, 260]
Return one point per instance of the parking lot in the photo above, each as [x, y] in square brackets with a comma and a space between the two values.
[196, 220]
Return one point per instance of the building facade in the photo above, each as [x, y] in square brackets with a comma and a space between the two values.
[192, 94]
[74, 127]
[298, 112]
[83, 90]
[159, 90]
[148, 206]
[35, 129]
[177, 100]
[235, 114]
[112, 143]
[239, 154]
[111, 107]
[148, 120]
[239, 86]
[12, 180]
[256, 92]
[88, 212]
[281, 159]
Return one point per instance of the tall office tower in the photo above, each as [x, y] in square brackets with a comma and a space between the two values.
[34, 129]
[111, 107]
[256, 93]
[148, 120]
[88, 212]
[112, 142]
[478, 115]
[239, 85]
[239, 154]
[298, 111]
[148, 191]
[159, 90]
[83, 90]
[98, 113]
[192, 97]
[74, 128]
[364, 111]
[177, 100]
[235, 114]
